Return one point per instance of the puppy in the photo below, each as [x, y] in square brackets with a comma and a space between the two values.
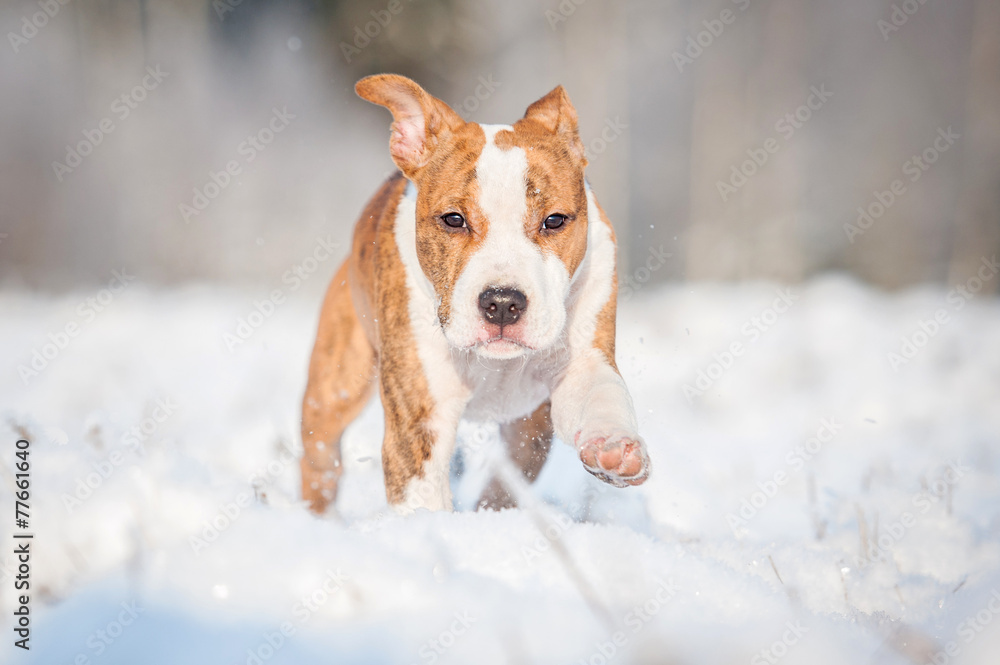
[482, 285]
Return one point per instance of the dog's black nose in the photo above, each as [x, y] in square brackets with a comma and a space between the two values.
[502, 306]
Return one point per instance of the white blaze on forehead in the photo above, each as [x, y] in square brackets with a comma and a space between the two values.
[503, 181]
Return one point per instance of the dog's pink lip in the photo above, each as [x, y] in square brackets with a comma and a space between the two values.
[509, 340]
[496, 340]
[492, 334]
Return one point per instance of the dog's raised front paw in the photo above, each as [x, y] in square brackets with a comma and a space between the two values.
[617, 460]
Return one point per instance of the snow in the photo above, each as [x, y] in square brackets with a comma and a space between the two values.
[808, 422]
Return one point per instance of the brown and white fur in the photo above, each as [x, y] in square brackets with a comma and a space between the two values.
[470, 225]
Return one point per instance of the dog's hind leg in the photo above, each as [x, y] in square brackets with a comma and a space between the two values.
[528, 441]
[340, 383]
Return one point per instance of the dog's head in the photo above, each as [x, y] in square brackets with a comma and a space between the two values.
[501, 214]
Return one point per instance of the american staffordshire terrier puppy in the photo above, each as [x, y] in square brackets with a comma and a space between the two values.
[482, 285]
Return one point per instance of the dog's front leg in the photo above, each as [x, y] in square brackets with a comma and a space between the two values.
[423, 398]
[591, 407]
[418, 445]
[592, 410]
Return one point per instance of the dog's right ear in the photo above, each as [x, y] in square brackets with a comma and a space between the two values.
[419, 119]
[555, 113]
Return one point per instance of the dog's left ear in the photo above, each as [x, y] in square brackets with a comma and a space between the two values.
[419, 119]
[555, 113]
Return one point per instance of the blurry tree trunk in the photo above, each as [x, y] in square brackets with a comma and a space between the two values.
[658, 138]
[596, 53]
[718, 122]
[977, 217]
[773, 196]
[753, 232]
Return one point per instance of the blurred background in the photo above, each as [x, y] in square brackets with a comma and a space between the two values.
[745, 138]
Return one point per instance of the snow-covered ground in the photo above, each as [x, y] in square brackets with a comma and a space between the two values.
[820, 501]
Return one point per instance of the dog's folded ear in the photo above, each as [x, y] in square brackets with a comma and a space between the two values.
[419, 119]
[555, 113]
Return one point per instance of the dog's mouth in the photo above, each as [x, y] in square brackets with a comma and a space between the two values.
[502, 347]
[503, 344]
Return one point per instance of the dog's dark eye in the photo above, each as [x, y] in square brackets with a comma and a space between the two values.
[453, 219]
[554, 221]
